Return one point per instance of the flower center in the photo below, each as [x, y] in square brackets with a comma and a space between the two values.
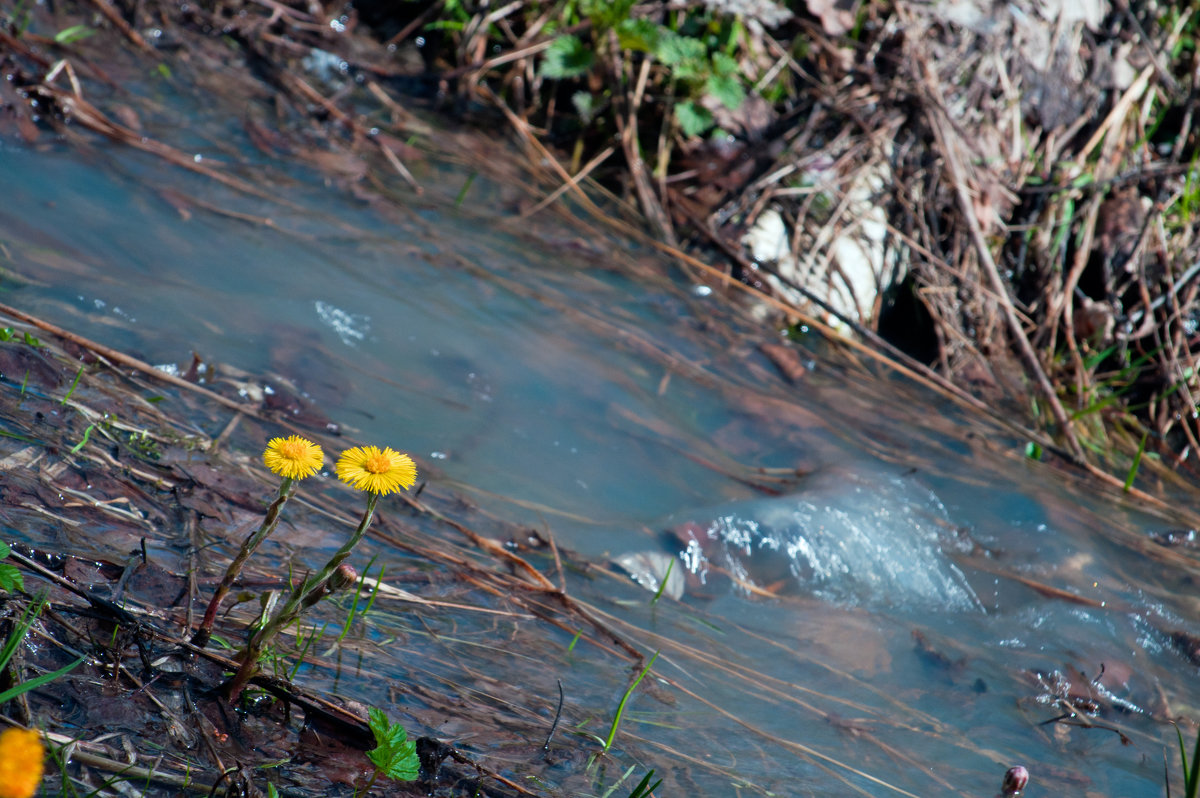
[378, 463]
[292, 450]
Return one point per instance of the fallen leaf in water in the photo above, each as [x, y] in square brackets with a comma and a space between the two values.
[786, 359]
[648, 568]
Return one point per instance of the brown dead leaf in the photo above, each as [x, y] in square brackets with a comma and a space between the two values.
[786, 359]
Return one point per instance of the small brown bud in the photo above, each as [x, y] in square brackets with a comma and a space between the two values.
[342, 578]
[1015, 780]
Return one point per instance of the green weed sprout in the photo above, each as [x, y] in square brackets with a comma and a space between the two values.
[1191, 775]
[607, 743]
[293, 458]
[394, 755]
[367, 468]
[10, 576]
[645, 787]
[612, 730]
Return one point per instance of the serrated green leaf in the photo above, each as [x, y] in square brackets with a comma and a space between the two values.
[395, 755]
[4, 550]
[640, 35]
[606, 14]
[727, 90]
[566, 57]
[687, 57]
[10, 578]
[724, 65]
[693, 119]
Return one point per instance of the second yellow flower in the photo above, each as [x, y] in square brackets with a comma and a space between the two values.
[376, 470]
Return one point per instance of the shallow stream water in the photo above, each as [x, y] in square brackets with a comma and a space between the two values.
[864, 610]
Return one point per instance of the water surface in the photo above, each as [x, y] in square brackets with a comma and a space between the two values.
[574, 383]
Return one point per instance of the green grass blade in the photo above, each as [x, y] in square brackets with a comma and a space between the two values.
[38, 681]
[1137, 462]
[662, 585]
[612, 732]
[87, 433]
[1192, 774]
[74, 385]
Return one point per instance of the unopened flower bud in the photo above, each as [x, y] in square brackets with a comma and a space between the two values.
[342, 578]
[1014, 781]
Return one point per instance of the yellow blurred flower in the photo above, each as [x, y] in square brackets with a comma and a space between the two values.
[21, 755]
[293, 457]
[376, 470]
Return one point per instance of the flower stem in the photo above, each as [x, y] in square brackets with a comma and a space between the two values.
[271, 520]
[303, 596]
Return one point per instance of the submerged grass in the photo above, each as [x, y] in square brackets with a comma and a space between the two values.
[1191, 772]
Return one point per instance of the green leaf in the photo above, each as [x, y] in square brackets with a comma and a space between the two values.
[566, 57]
[693, 119]
[687, 57]
[37, 681]
[1137, 461]
[10, 577]
[73, 34]
[640, 35]
[606, 14]
[727, 89]
[395, 756]
[724, 65]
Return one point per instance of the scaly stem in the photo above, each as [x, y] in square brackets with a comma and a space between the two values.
[303, 596]
[286, 488]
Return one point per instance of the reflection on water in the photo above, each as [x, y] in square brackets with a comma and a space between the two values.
[567, 388]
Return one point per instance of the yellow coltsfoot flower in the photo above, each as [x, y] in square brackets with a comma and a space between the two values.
[376, 470]
[293, 457]
[21, 762]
